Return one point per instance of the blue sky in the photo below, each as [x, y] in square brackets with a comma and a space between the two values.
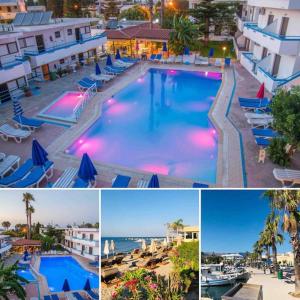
[144, 213]
[232, 220]
[61, 207]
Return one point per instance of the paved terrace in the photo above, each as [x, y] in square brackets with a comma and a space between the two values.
[57, 138]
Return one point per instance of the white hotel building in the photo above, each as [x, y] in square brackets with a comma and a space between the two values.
[269, 40]
[83, 241]
[5, 244]
[36, 45]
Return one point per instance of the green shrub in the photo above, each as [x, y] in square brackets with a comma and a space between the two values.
[277, 152]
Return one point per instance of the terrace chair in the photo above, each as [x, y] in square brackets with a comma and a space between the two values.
[18, 174]
[80, 183]
[121, 181]
[262, 142]
[7, 131]
[258, 116]
[36, 175]
[178, 59]
[197, 185]
[109, 274]
[218, 62]
[158, 57]
[265, 133]
[287, 176]
[152, 57]
[28, 123]
[66, 178]
[9, 163]
[255, 123]
[92, 295]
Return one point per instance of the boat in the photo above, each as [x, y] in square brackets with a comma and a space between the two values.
[217, 280]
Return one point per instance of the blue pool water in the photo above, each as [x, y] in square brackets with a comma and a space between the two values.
[26, 274]
[158, 123]
[57, 269]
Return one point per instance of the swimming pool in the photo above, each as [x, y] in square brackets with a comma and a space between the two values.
[62, 108]
[158, 123]
[26, 274]
[57, 269]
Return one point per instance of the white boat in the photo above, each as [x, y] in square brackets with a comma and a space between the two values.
[217, 280]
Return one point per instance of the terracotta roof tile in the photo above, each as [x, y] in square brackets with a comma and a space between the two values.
[25, 242]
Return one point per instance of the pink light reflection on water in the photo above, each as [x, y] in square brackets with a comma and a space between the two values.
[118, 109]
[202, 138]
[90, 145]
[156, 168]
[64, 105]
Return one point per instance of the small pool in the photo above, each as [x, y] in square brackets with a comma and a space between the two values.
[62, 108]
[158, 123]
[57, 269]
[26, 274]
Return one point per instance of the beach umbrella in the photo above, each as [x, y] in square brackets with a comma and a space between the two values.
[261, 92]
[153, 183]
[144, 246]
[39, 154]
[165, 243]
[106, 248]
[66, 286]
[153, 246]
[211, 52]
[164, 49]
[87, 286]
[87, 171]
[109, 61]
[18, 110]
[112, 246]
[97, 69]
[186, 51]
[168, 239]
[118, 55]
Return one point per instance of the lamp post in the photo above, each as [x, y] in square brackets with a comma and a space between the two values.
[224, 50]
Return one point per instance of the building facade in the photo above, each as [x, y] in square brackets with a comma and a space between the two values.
[83, 242]
[269, 40]
[5, 244]
[9, 9]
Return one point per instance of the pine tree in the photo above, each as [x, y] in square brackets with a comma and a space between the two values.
[111, 8]
[71, 8]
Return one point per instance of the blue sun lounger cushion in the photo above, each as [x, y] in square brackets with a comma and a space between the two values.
[28, 122]
[266, 133]
[47, 297]
[80, 183]
[54, 297]
[197, 185]
[92, 294]
[241, 99]
[77, 296]
[19, 174]
[152, 57]
[121, 181]
[262, 142]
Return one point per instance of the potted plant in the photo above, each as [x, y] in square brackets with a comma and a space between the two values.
[27, 91]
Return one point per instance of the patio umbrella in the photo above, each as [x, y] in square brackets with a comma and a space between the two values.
[87, 170]
[164, 49]
[118, 55]
[106, 248]
[153, 183]
[39, 154]
[261, 92]
[108, 60]
[87, 286]
[97, 69]
[165, 243]
[168, 239]
[211, 52]
[66, 286]
[144, 246]
[153, 246]
[186, 51]
[112, 246]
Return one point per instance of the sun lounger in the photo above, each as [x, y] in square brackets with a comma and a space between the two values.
[170, 59]
[118, 259]
[77, 296]
[112, 70]
[142, 183]
[178, 59]
[2, 156]
[80, 183]
[36, 175]
[241, 99]
[66, 179]
[121, 181]
[158, 57]
[82, 85]
[200, 185]
[287, 176]
[17, 175]
[54, 297]
[119, 62]
[265, 123]
[28, 123]
[200, 60]
[102, 77]
[250, 115]
[152, 57]
[9, 163]
[109, 274]
[255, 105]
[218, 62]
[92, 295]
[92, 82]
[7, 131]
[262, 142]
[47, 297]
[189, 59]
[265, 133]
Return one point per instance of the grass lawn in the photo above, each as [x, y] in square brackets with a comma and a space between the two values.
[218, 46]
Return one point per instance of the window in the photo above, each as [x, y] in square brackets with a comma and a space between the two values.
[21, 82]
[70, 31]
[87, 29]
[61, 61]
[22, 43]
[8, 8]
[57, 34]
[12, 48]
[73, 57]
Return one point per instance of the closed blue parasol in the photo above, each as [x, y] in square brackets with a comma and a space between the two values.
[118, 55]
[186, 51]
[87, 286]
[66, 286]
[17, 107]
[211, 52]
[39, 154]
[87, 171]
[97, 69]
[165, 49]
[108, 60]
[153, 183]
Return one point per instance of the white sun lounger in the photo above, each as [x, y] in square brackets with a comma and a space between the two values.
[200, 60]
[178, 59]
[287, 175]
[66, 179]
[7, 131]
[9, 163]
[142, 183]
[257, 116]
[218, 62]
[189, 59]
[2, 156]
[171, 59]
[265, 123]
[102, 77]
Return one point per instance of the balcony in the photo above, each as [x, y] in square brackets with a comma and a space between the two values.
[60, 51]
[5, 248]
[280, 4]
[283, 45]
[86, 242]
[17, 68]
[83, 253]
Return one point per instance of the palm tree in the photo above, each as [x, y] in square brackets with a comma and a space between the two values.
[258, 249]
[31, 210]
[150, 4]
[184, 34]
[287, 202]
[266, 243]
[176, 225]
[6, 224]
[10, 282]
[27, 198]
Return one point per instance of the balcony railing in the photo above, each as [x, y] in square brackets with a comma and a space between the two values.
[64, 45]
[254, 27]
[8, 65]
[81, 239]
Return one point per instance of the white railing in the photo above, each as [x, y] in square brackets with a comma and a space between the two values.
[86, 96]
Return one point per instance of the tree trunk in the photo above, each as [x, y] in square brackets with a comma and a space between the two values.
[27, 219]
[274, 254]
[206, 33]
[29, 230]
[151, 13]
[162, 12]
[296, 249]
